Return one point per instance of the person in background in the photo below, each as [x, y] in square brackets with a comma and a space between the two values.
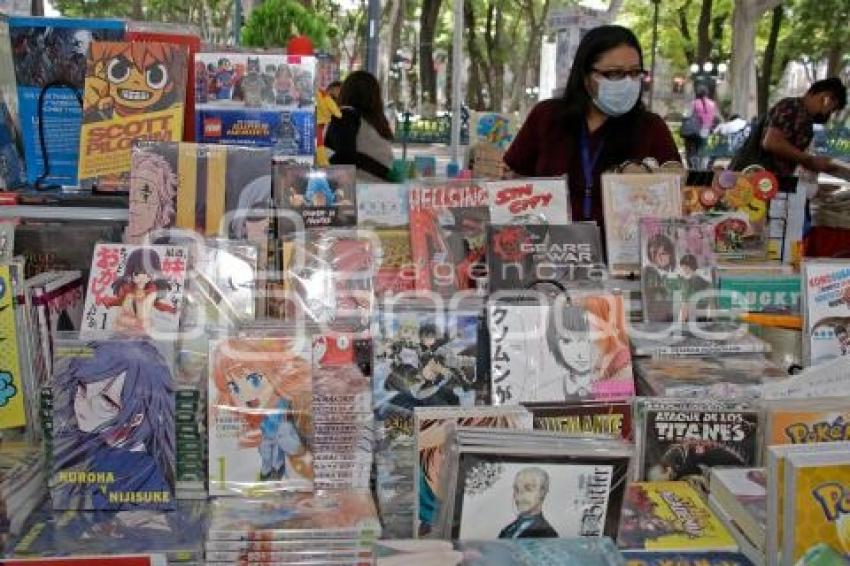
[333, 90]
[362, 135]
[735, 131]
[780, 139]
[599, 123]
[705, 110]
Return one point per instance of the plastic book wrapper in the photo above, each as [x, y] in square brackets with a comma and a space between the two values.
[529, 201]
[826, 310]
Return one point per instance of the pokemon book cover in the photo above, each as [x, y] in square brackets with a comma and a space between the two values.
[47, 51]
[670, 516]
[448, 235]
[12, 402]
[133, 91]
[322, 197]
[260, 416]
[815, 423]
[113, 426]
[257, 99]
[216, 190]
[826, 312]
[134, 290]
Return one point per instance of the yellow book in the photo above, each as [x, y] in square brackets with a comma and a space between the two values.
[11, 387]
[670, 516]
[817, 510]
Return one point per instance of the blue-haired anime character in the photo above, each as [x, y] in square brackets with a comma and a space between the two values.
[319, 192]
[114, 429]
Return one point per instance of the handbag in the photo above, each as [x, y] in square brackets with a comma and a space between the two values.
[691, 127]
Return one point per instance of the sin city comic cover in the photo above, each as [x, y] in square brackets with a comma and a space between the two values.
[133, 91]
[260, 421]
[448, 234]
[113, 426]
[529, 201]
[135, 290]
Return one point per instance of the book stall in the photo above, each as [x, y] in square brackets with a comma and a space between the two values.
[213, 351]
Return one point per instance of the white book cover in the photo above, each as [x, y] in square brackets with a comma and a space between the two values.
[826, 310]
[529, 201]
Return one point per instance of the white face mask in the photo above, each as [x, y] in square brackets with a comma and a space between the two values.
[616, 98]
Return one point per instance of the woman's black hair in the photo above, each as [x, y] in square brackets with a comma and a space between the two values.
[361, 91]
[622, 132]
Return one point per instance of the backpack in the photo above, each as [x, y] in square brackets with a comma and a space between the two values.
[750, 151]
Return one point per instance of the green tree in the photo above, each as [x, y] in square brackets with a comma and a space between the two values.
[275, 22]
[819, 32]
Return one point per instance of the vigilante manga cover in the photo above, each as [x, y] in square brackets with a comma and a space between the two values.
[545, 257]
[826, 310]
[448, 235]
[323, 197]
[557, 352]
[607, 418]
[135, 290]
[133, 91]
[12, 408]
[48, 51]
[113, 426]
[212, 189]
[529, 201]
[260, 416]
[383, 208]
[258, 99]
[677, 268]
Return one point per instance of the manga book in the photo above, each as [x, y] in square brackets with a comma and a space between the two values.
[494, 129]
[57, 299]
[322, 197]
[717, 376]
[383, 209]
[425, 166]
[258, 99]
[133, 91]
[260, 415]
[448, 235]
[694, 340]
[607, 418]
[50, 51]
[826, 310]
[113, 426]
[767, 293]
[135, 290]
[545, 257]
[670, 516]
[63, 245]
[677, 268]
[529, 201]
[560, 351]
[742, 494]
[679, 438]
[431, 428]
[806, 421]
[12, 387]
[627, 198]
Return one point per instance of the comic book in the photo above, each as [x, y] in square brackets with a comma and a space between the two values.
[134, 289]
[717, 376]
[63, 245]
[493, 129]
[768, 293]
[113, 426]
[826, 310]
[48, 51]
[806, 421]
[448, 223]
[694, 339]
[742, 494]
[12, 392]
[545, 257]
[670, 516]
[260, 415]
[258, 99]
[606, 418]
[133, 91]
[559, 351]
[216, 190]
[58, 302]
[817, 487]
[626, 199]
[529, 201]
[322, 197]
[677, 268]
[678, 438]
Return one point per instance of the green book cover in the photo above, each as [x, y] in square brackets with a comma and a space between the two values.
[761, 293]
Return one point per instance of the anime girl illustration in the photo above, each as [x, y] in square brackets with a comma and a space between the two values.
[612, 369]
[568, 339]
[267, 386]
[114, 428]
[138, 292]
[126, 79]
[153, 193]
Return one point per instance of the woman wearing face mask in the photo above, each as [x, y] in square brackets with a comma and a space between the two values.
[598, 124]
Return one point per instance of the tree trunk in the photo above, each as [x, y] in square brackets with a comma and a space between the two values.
[684, 28]
[427, 30]
[473, 92]
[532, 53]
[766, 74]
[745, 19]
[704, 42]
[833, 60]
[397, 23]
[717, 25]
[138, 12]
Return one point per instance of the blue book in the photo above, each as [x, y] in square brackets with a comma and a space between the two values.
[649, 558]
[48, 51]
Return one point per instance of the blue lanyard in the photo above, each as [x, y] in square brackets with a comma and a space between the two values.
[588, 165]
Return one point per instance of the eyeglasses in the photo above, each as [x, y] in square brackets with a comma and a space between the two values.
[620, 74]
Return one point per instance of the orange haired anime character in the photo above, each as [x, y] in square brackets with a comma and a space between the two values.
[130, 78]
[269, 384]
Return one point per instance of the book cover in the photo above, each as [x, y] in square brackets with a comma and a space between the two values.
[775, 293]
[215, 190]
[448, 222]
[12, 171]
[260, 416]
[529, 201]
[12, 401]
[682, 437]
[717, 376]
[694, 340]
[113, 426]
[826, 310]
[748, 488]
[559, 351]
[677, 268]
[258, 99]
[627, 198]
[670, 516]
[64, 299]
[545, 257]
[494, 129]
[383, 208]
[807, 422]
[607, 418]
[134, 289]
[321, 197]
[47, 51]
[133, 91]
